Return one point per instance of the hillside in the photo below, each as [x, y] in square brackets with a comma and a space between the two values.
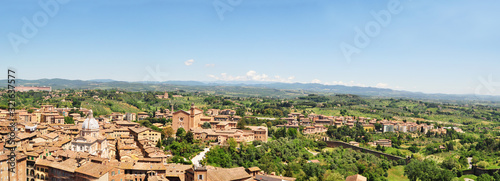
[284, 90]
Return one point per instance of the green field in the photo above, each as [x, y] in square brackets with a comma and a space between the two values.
[396, 174]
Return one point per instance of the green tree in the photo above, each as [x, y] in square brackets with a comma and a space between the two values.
[333, 176]
[159, 144]
[180, 134]
[451, 163]
[414, 149]
[241, 111]
[426, 170]
[485, 177]
[169, 131]
[206, 125]
[68, 120]
[189, 137]
[292, 133]
[232, 144]
[496, 175]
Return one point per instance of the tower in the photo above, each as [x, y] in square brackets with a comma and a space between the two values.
[191, 119]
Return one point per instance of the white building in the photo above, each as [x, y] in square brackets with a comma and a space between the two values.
[89, 140]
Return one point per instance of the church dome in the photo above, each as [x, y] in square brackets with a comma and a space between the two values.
[90, 122]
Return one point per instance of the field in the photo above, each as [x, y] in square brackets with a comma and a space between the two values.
[396, 174]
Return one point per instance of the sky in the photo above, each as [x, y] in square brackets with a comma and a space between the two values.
[425, 46]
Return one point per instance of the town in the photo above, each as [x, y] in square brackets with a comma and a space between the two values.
[60, 143]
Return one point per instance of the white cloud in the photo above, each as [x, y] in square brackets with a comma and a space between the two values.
[253, 76]
[382, 85]
[350, 83]
[189, 62]
[209, 65]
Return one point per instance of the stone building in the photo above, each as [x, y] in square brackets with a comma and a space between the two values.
[90, 140]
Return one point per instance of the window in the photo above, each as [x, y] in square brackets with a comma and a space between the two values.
[200, 177]
[113, 173]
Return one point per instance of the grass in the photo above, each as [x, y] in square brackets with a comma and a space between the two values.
[396, 174]
[493, 166]
[392, 151]
[328, 149]
[473, 177]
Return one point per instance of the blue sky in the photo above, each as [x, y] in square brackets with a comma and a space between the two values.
[428, 46]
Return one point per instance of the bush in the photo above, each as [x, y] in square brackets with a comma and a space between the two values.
[482, 164]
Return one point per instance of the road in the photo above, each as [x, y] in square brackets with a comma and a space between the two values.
[196, 160]
[312, 152]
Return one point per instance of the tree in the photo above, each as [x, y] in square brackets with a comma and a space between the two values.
[189, 137]
[241, 111]
[159, 144]
[451, 163]
[292, 133]
[181, 133]
[482, 164]
[333, 176]
[426, 170]
[485, 177]
[68, 120]
[414, 149]
[241, 124]
[232, 144]
[496, 176]
[169, 132]
[206, 125]
[378, 126]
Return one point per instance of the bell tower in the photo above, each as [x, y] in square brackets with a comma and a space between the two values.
[191, 116]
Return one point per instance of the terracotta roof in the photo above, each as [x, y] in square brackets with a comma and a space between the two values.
[254, 169]
[93, 169]
[68, 165]
[223, 174]
[356, 177]
[43, 162]
[140, 130]
[273, 178]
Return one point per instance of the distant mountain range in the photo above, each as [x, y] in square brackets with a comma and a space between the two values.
[243, 87]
